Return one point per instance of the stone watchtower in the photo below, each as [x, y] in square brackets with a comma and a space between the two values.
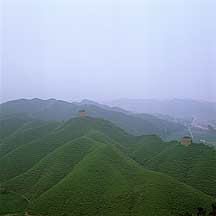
[82, 113]
[186, 140]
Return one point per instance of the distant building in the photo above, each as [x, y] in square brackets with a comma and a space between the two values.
[82, 113]
[186, 140]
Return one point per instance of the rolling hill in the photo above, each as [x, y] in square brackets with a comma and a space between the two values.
[22, 157]
[27, 132]
[57, 110]
[193, 165]
[107, 183]
[88, 166]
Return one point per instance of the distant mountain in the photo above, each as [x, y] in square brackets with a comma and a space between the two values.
[116, 109]
[89, 166]
[60, 110]
[178, 108]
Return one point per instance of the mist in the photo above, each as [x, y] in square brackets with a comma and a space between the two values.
[104, 50]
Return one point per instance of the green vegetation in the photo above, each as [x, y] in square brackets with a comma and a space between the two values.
[88, 166]
[11, 203]
[201, 212]
[60, 110]
[193, 165]
[52, 168]
[10, 125]
[30, 131]
[107, 183]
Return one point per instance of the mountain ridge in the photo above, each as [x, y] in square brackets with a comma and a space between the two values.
[57, 110]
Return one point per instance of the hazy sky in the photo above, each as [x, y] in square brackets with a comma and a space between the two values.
[108, 49]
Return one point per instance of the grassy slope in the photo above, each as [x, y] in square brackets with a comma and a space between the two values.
[194, 165]
[12, 203]
[30, 131]
[58, 172]
[24, 155]
[107, 183]
[27, 155]
[10, 125]
[146, 147]
[52, 168]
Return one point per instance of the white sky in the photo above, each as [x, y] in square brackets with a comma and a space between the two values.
[108, 49]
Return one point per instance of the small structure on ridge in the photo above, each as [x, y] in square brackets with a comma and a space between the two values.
[82, 113]
[186, 140]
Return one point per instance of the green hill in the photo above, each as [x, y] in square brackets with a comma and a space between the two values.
[60, 110]
[52, 168]
[194, 165]
[88, 166]
[107, 183]
[31, 130]
[146, 147]
[25, 156]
